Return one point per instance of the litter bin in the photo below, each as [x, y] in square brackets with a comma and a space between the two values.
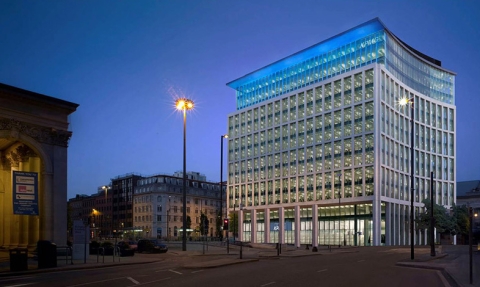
[18, 259]
[47, 254]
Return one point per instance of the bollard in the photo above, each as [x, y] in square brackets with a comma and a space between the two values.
[306, 246]
[241, 250]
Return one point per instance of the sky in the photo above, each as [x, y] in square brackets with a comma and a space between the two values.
[125, 63]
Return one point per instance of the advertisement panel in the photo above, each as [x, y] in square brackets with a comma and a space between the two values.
[25, 193]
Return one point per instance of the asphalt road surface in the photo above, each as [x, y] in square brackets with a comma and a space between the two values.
[361, 267]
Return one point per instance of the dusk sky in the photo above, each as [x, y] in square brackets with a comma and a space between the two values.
[125, 63]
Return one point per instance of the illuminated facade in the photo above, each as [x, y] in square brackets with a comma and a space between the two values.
[319, 149]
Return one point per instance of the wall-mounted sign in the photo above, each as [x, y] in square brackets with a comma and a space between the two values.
[25, 193]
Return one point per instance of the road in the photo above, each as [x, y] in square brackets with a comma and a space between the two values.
[361, 267]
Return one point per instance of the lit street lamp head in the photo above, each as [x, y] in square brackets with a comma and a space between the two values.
[405, 101]
[184, 104]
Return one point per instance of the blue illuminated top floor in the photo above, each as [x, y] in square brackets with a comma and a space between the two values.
[367, 43]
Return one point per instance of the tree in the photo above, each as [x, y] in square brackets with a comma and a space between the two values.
[461, 219]
[233, 223]
[444, 223]
[218, 225]
[457, 223]
[203, 224]
[189, 222]
[69, 219]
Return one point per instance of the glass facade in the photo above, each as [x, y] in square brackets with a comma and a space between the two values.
[321, 146]
[311, 149]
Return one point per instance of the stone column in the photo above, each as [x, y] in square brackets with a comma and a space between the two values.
[297, 226]
[314, 225]
[253, 217]
[281, 225]
[33, 223]
[266, 224]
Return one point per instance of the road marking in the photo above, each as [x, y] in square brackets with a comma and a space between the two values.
[96, 282]
[18, 285]
[444, 280]
[147, 283]
[267, 284]
[11, 279]
[322, 270]
[133, 280]
[360, 260]
[197, 271]
[175, 271]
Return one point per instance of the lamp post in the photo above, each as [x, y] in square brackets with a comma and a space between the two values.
[105, 188]
[404, 102]
[471, 215]
[339, 195]
[221, 180]
[234, 219]
[184, 104]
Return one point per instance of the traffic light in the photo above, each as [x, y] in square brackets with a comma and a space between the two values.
[225, 224]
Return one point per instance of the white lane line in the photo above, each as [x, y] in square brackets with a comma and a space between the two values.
[360, 260]
[267, 284]
[147, 283]
[444, 280]
[96, 282]
[18, 285]
[11, 279]
[322, 270]
[175, 271]
[198, 271]
[133, 280]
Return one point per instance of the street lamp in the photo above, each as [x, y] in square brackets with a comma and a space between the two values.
[471, 215]
[404, 102]
[105, 188]
[339, 196]
[184, 104]
[221, 180]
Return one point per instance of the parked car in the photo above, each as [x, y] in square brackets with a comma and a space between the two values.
[124, 249]
[151, 246]
[133, 244]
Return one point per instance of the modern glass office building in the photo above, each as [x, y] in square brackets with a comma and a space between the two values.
[319, 148]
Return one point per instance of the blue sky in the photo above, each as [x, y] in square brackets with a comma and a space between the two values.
[125, 62]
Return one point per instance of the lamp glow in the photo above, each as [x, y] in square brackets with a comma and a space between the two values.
[404, 102]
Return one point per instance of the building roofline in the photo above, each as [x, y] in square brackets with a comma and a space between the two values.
[71, 107]
[329, 44]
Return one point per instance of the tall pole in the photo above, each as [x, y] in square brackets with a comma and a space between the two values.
[412, 180]
[234, 220]
[184, 235]
[432, 220]
[184, 104]
[221, 183]
[470, 239]
[339, 190]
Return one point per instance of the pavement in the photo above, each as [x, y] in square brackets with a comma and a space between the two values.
[451, 260]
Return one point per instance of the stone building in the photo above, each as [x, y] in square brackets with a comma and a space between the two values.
[34, 136]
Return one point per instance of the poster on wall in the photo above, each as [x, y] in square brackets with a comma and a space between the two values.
[25, 193]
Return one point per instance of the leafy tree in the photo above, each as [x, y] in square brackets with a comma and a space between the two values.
[443, 221]
[203, 224]
[189, 222]
[457, 223]
[69, 219]
[218, 224]
[461, 219]
[233, 223]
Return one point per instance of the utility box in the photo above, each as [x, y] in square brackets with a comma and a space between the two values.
[47, 254]
[18, 259]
